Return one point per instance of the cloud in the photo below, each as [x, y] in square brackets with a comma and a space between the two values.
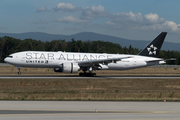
[125, 20]
[70, 19]
[42, 9]
[94, 12]
[154, 18]
[165, 26]
[121, 20]
[127, 17]
[172, 25]
[66, 7]
[136, 21]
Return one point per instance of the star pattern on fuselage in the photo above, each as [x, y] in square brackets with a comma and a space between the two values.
[152, 50]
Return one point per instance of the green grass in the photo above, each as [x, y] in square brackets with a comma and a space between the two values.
[90, 89]
[95, 89]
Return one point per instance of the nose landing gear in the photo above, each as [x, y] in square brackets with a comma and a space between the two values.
[19, 72]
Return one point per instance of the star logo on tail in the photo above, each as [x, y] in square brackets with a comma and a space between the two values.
[152, 50]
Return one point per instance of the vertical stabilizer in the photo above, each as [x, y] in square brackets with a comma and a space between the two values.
[152, 50]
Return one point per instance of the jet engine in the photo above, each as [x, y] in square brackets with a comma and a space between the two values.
[68, 68]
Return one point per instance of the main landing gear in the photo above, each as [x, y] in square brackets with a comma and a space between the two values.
[87, 74]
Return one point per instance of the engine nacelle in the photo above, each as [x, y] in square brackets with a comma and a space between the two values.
[68, 68]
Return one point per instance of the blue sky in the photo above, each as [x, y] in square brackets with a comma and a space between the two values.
[131, 19]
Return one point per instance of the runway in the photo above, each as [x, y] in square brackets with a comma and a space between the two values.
[85, 110]
[78, 77]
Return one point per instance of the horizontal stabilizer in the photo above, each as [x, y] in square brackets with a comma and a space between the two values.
[161, 60]
[169, 59]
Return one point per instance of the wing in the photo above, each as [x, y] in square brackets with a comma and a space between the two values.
[101, 61]
[169, 59]
[161, 60]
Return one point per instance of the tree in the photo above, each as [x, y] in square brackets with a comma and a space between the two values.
[2, 43]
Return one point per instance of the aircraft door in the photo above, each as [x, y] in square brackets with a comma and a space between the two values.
[22, 58]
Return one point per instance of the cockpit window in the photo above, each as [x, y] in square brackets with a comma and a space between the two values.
[10, 56]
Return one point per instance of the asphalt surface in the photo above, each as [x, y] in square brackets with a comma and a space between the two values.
[88, 110]
[78, 77]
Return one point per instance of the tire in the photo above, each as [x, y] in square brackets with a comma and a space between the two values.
[80, 74]
[94, 74]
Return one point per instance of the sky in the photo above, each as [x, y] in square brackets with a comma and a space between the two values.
[130, 19]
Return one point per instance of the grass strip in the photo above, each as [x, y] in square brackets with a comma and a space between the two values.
[90, 89]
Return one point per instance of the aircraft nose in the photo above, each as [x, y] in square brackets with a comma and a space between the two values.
[5, 60]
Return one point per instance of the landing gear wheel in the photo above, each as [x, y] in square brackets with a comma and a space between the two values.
[19, 73]
[81, 74]
[93, 74]
[87, 74]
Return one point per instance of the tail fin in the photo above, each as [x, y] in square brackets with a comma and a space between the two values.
[152, 50]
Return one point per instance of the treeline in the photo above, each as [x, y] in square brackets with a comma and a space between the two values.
[9, 45]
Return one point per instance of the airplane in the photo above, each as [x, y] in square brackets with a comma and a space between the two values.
[72, 62]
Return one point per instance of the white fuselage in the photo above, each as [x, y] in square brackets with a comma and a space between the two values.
[55, 59]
